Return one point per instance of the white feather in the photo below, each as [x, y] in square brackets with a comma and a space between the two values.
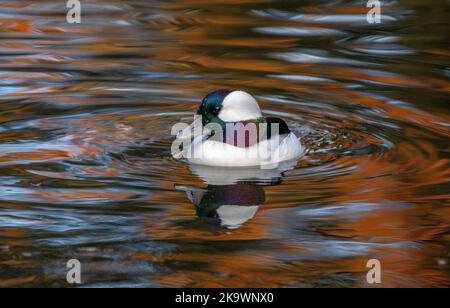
[267, 153]
[239, 106]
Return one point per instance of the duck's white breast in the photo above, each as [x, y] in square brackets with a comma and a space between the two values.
[275, 150]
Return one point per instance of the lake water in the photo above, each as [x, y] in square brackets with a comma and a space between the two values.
[86, 172]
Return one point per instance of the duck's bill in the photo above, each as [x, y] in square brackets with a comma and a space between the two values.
[186, 133]
[193, 131]
[185, 137]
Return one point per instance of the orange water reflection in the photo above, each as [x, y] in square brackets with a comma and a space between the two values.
[86, 172]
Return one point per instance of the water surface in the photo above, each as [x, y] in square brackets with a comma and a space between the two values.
[85, 166]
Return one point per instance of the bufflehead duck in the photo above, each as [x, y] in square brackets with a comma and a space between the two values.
[234, 133]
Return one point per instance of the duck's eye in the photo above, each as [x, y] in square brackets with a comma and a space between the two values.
[217, 109]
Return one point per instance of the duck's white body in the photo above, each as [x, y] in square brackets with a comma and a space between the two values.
[267, 153]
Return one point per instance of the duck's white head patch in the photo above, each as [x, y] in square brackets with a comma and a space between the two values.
[239, 106]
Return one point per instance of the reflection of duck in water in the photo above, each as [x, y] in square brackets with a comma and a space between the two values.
[228, 206]
[227, 176]
[233, 195]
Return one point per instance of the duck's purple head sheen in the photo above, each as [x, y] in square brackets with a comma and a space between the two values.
[222, 106]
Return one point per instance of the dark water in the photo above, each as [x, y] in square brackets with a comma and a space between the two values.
[85, 166]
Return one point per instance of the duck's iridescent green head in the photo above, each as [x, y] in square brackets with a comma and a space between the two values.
[223, 106]
[211, 106]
